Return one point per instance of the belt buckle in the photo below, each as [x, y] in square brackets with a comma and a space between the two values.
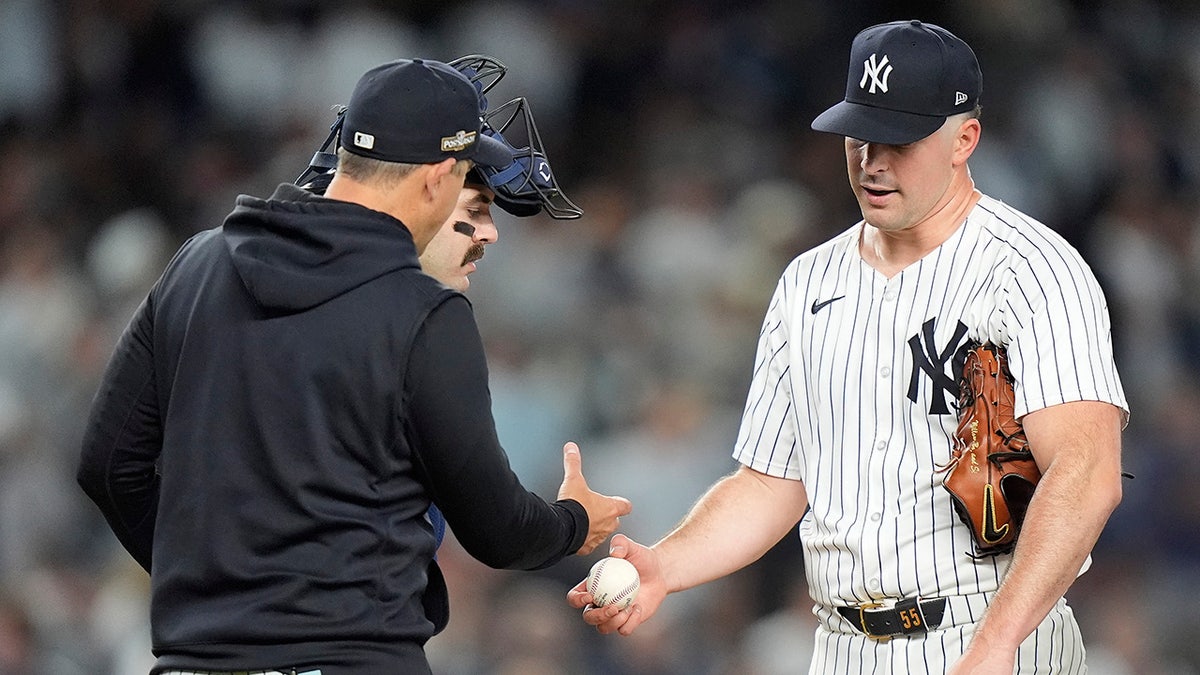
[862, 621]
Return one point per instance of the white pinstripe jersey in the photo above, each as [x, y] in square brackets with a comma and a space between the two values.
[852, 392]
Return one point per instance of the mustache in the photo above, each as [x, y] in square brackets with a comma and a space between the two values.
[467, 230]
[474, 253]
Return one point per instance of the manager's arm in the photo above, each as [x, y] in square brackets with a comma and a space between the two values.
[123, 439]
[493, 516]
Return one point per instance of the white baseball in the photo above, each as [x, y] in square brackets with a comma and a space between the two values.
[613, 581]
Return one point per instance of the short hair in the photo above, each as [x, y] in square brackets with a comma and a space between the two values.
[367, 170]
[972, 114]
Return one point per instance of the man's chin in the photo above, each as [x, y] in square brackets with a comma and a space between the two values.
[462, 282]
[459, 280]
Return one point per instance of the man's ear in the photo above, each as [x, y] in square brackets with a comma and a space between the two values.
[435, 175]
[966, 140]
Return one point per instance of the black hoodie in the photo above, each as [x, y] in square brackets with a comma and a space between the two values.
[273, 425]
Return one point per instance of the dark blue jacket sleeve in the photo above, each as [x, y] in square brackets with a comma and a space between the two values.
[492, 515]
[123, 439]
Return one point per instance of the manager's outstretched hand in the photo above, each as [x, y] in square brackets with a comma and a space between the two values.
[651, 593]
[604, 512]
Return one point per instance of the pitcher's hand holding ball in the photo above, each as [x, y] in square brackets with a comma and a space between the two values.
[616, 617]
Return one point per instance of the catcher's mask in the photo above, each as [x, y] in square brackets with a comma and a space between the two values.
[524, 188]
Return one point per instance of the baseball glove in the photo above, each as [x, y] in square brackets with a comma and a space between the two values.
[991, 475]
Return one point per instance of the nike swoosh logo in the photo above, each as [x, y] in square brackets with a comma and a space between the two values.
[817, 306]
[991, 533]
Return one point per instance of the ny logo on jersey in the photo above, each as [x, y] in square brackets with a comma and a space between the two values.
[877, 73]
[928, 359]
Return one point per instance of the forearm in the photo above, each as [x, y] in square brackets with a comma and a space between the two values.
[466, 471]
[522, 533]
[1070, 507]
[738, 520]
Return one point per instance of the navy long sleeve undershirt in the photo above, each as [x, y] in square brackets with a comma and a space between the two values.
[495, 519]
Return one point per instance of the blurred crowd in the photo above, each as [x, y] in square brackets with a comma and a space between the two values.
[681, 128]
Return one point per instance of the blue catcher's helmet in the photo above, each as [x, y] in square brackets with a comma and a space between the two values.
[527, 186]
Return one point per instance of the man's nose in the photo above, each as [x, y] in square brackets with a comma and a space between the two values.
[873, 157]
[486, 232]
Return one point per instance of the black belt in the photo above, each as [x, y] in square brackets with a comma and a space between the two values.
[907, 617]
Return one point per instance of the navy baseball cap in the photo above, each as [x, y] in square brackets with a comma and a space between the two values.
[905, 79]
[417, 111]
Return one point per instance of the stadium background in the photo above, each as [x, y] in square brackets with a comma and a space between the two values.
[682, 129]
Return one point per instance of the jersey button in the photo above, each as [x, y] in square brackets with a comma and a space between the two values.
[876, 516]
[889, 296]
[885, 371]
[881, 445]
[873, 584]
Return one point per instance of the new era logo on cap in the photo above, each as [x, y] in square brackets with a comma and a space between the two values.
[905, 79]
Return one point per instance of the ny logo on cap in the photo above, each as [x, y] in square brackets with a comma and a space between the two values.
[871, 70]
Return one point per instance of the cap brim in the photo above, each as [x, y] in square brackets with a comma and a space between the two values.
[876, 125]
[492, 153]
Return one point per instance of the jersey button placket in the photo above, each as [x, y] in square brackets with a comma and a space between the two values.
[887, 317]
[881, 461]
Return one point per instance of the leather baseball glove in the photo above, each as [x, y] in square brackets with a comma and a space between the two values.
[991, 475]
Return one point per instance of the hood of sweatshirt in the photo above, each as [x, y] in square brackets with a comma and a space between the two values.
[296, 250]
